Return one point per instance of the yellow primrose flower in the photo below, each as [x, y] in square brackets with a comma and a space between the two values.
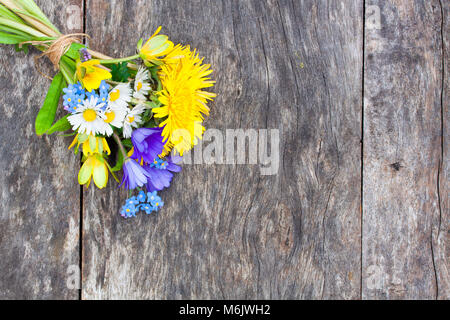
[156, 47]
[94, 167]
[91, 144]
[183, 100]
[90, 75]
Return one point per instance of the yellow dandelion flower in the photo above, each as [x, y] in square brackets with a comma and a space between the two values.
[183, 100]
[156, 47]
[90, 75]
[174, 55]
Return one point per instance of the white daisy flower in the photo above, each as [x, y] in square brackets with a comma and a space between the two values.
[90, 119]
[120, 96]
[115, 114]
[141, 84]
[132, 120]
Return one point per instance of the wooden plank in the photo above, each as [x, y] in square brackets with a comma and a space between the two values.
[441, 226]
[404, 233]
[227, 231]
[39, 206]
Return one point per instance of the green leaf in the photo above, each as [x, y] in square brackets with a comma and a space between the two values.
[47, 114]
[74, 51]
[69, 63]
[120, 72]
[139, 44]
[156, 62]
[155, 102]
[150, 124]
[119, 163]
[59, 126]
[25, 48]
[6, 13]
[34, 9]
[21, 26]
[7, 38]
[154, 73]
[127, 143]
[17, 32]
[68, 74]
[67, 134]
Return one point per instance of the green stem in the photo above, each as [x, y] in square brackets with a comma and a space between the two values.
[114, 61]
[22, 27]
[66, 74]
[149, 104]
[119, 143]
[32, 7]
[70, 63]
[112, 172]
[114, 83]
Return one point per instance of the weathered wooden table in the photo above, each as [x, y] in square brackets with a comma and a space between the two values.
[359, 207]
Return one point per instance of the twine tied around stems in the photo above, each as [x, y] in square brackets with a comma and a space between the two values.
[54, 49]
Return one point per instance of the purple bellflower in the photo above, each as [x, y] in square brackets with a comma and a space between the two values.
[148, 144]
[160, 173]
[134, 175]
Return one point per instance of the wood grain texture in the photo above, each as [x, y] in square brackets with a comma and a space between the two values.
[39, 195]
[405, 235]
[227, 231]
[441, 226]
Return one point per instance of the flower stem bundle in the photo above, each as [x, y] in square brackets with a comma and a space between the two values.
[151, 104]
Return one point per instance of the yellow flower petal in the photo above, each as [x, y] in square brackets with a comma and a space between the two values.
[156, 47]
[74, 142]
[105, 146]
[184, 103]
[100, 173]
[86, 171]
[90, 75]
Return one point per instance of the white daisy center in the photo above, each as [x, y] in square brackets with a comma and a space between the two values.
[110, 116]
[114, 95]
[89, 115]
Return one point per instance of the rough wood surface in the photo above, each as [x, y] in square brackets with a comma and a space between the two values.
[405, 219]
[441, 228]
[227, 231]
[39, 196]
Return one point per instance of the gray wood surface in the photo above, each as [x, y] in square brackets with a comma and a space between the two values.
[441, 230]
[39, 196]
[358, 209]
[226, 231]
[405, 223]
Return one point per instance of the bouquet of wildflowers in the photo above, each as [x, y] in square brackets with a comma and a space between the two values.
[151, 104]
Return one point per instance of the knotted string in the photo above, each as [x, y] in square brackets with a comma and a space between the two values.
[55, 49]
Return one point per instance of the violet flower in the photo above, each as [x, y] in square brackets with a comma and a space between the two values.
[134, 175]
[161, 176]
[148, 144]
